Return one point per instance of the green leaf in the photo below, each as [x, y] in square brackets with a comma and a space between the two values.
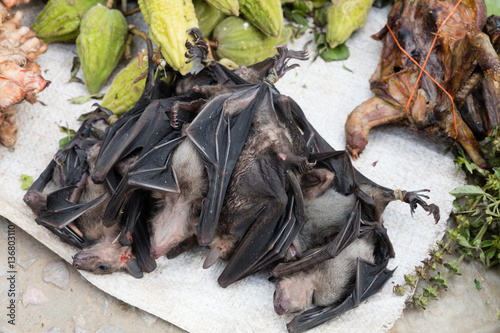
[467, 190]
[321, 38]
[320, 17]
[462, 241]
[26, 182]
[300, 8]
[431, 292]
[69, 135]
[299, 19]
[410, 280]
[77, 80]
[439, 280]
[63, 142]
[490, 253]
[347, 69]
[420, 300]
[340, 52]
[493, 7]
[453, 267]
[486, 243]
[399, 290]
[80, 99]
[478, 284]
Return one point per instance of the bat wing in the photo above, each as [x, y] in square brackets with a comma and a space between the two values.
[68, 235]
[369, 280]
[268, 239]
[141, 130]
[60, 211]
[221, 74]
[142, 127]
[349, 232]
[219, 138]
[152, 171]
[314, 141]
[339, 162]
[137, 227]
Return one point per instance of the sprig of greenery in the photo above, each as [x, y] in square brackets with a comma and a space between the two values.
[306, 14]
[476, 233]
[69, 135]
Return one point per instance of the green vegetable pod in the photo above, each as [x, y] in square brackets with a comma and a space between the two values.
[124, 93]
[100, 45]
[208, 17]
[343, 17]
[59, 21]
[266, 15]
[169, 21]
[244, 44]
[228, 7]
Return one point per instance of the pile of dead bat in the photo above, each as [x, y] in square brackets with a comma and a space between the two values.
[222, 159]
[459, 47]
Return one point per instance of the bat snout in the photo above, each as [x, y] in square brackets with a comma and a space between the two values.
[98, 177]
[156, 251]
[280, 306]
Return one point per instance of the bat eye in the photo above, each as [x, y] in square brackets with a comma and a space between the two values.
[103, 267]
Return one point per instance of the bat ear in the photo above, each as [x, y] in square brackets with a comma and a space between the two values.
[134, 269]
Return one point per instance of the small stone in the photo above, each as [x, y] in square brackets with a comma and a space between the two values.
[3, 269]
[29, 321]
[34, 296]
[80, 324]
[110, 329]
[54, 330]
[4, 225]
[147, 318]
[106, 303]
[26, 263]
[57, 274]
[6, 330]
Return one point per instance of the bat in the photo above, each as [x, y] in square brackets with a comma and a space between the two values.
[74, 212]
[106, 255]
[262, 194]
[68, 171]
[334, 286]
[180, 211]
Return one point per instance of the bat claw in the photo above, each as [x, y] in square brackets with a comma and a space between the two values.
[414, 199]
[306, 166]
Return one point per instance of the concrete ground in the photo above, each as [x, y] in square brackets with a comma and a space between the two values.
[54, 298]
[80, 307]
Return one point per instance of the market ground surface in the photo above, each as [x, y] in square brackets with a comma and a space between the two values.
[75, 305]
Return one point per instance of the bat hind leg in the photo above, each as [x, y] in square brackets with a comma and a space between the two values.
[414, 199]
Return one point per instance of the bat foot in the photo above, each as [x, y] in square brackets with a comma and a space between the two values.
[415, 199]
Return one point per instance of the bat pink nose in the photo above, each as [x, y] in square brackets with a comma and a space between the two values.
[155, 252]
[280, 305]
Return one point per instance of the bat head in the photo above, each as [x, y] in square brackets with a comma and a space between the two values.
[37, 201]
[294, 293]
[107, 258]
